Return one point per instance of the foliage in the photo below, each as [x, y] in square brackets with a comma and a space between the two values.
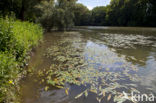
[18, 37]
[98, 16]
[8, 73]
[16, 40]
[82, 15]
[122, 13]
[46, 14]
[23, 9]
[58, 14]
[130, 13]
[63, 14]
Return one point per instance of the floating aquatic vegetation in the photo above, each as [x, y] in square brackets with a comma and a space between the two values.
[94, 66]
[82, 93]
[127, 41]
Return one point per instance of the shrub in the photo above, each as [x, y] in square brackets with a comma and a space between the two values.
[18, 37]
[6, 36]
[8, 73]
[27, 35]
[16, 40]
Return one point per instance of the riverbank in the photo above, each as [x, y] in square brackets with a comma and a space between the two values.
[17, 38]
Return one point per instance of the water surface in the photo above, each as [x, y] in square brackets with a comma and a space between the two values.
[92, 65]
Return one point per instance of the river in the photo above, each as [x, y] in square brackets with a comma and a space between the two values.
[93, 65]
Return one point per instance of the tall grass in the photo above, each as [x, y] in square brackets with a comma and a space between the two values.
[16, 40]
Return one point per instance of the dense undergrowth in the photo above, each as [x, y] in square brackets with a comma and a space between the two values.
[16, 40]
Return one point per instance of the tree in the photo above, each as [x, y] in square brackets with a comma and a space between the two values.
[9, 6]
[23, 9]
[131, 13]
[151, 13]
[82, 15]
[99, 16]
[57, 14]
[64, 12]
[46, 14]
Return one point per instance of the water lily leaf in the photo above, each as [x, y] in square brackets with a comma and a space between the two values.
[79, 95]
[103, 93]
[46, 88]
[51, 82]
[100, 88]
[109, 97]
[66, 91]
[60, 87]
[93, 90]
[86, 93]
[98, 99]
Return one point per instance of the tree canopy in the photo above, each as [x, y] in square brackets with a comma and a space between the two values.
[125, 13]
[63, 14]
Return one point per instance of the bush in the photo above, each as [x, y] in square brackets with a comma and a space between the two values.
[8, 73]
[6, 36]
[16, 40]
[18, 37]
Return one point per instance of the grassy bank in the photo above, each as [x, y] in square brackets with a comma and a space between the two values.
[16, 40]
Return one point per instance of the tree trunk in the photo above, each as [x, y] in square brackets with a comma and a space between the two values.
[21, 16]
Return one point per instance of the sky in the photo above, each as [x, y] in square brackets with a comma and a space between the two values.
[93, 3]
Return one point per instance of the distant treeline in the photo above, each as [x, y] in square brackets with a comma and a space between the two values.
[119, 13]
[63, 14]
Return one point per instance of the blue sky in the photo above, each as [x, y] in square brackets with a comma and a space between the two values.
[93, 3]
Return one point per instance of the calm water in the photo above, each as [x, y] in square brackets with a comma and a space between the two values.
[96, 63]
